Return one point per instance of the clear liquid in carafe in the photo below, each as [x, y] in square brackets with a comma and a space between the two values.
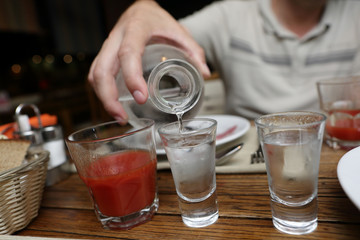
[175, 87]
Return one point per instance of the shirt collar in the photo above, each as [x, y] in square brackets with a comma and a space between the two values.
[273, 26]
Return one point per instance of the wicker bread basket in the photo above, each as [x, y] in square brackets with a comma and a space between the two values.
[21, 192]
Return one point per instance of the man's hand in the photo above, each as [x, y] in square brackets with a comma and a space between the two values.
[142, 23]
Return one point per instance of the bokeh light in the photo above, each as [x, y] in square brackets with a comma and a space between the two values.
[16, 68]
[37, 59]
[68, 58]
[49, 58]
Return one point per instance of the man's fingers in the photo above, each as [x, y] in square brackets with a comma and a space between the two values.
[106, 91]
[130, 58]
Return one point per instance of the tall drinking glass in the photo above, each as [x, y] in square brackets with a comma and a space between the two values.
[118, 165]
[340, 100]
[191, 153]
[291, 142]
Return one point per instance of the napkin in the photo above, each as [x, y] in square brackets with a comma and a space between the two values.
[240, 162]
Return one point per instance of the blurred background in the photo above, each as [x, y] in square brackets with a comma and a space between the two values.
[47, 47]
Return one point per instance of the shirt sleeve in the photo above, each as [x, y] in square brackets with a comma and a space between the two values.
[208, 27]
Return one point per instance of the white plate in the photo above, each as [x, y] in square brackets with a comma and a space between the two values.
[229, 128]
[348, 171]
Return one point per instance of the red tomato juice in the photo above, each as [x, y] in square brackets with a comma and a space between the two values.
[345, 129]
[122, 183]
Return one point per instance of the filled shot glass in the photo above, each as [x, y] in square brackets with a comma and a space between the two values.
[118, 165]
[190, 149]
[291, 143]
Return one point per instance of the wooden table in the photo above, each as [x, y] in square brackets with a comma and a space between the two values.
[244, 207]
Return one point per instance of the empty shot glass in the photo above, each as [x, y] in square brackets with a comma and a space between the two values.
[118, 165]
[291, 143]
[190, 149]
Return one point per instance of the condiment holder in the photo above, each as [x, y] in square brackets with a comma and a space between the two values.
[48, 138]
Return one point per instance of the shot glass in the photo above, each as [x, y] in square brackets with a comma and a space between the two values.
[118, 165]
[340, 100]
[190, 149]
[291, 143]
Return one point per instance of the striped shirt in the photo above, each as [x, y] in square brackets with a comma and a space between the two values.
[265, 67]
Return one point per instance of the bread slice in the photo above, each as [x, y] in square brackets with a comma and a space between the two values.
[12, 153]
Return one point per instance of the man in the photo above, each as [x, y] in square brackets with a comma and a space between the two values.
[269, 53]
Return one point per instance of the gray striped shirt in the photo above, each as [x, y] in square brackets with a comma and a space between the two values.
[265, 67]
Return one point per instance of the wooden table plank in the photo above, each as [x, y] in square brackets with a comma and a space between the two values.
[84, 223]
[237, 198]
[244, 208]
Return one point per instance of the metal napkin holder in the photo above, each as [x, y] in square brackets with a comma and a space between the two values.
[48, 138]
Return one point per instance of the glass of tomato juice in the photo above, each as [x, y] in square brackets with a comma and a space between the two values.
[340, 100]
[118, 165]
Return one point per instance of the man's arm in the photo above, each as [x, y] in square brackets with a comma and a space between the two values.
[142, 23]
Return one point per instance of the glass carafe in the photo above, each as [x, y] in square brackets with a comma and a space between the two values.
[175, 86]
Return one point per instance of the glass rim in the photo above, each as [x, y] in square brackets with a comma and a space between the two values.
[148, 123]
[174, 66]
[339, 80]
[203, 130]
[291, 113]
